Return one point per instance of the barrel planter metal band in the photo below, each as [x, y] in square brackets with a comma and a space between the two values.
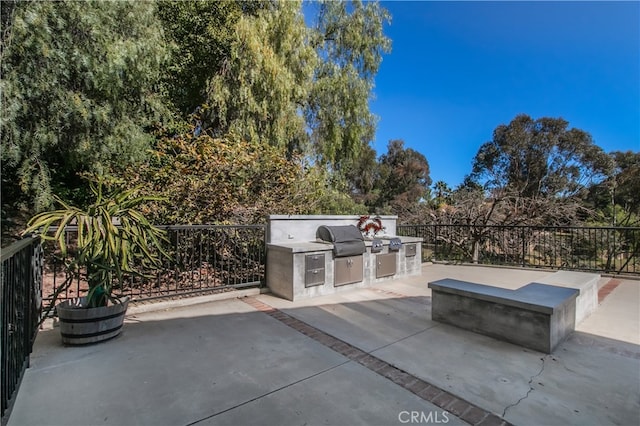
[80, 326]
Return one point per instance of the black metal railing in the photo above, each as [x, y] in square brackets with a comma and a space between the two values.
[601, 249]
[202, 259]
[21, 296]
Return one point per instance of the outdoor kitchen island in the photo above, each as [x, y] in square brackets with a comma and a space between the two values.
[316, 255]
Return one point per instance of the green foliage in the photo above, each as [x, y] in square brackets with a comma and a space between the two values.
[86, 85]
[396, 184]
[113, 237]
[536, 172]
[442, 194]
[223, 180]
[404, 179]
[349, 41]
[542, 157]
[627, 182]
[363, 176]
[258, 93]
[616, 200]
[201, 34]
[78, 93]
[282, 83]
[327, 193]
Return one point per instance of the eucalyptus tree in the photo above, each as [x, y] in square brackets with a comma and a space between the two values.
[538, 171]
[78, 93]
[540, 158]
[533, 172]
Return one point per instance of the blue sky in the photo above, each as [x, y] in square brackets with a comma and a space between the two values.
[457, 70]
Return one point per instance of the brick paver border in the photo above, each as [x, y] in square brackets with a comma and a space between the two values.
[608, 288]
[465, 410]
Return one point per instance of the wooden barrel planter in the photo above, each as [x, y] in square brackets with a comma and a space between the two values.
[81, 326]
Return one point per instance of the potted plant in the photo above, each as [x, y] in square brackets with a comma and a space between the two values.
[114, 241]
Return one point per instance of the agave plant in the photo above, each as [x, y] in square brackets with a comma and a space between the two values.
[114, 239]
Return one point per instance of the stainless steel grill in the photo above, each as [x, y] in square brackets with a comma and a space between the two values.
[347, 239]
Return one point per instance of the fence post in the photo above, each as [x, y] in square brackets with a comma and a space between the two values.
[524, 248]
[435, 241]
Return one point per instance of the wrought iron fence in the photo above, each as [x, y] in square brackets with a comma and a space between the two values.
[600, 249]
[21, 296]
[202, 259]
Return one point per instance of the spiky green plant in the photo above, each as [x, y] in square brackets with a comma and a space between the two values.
[112, 238]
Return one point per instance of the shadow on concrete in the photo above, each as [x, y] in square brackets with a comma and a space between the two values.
[194, 366]
[225, 363]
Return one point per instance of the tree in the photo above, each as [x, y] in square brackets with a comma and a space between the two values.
[78, 94]
[442, 193]
[362, 175]
[397, 183]
[533, 172]
[6, 17]
[263, 75]
[616, 200]
[259, 92]
[201, 34]
[627, 185]
[474, 217]
[540, 158]
[404, 178]
[350, 44]
[276, 79]
[222, 180]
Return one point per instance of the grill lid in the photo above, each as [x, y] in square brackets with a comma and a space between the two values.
[346, 239]
[339, 234]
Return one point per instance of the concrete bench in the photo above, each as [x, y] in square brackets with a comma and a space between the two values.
[587, 283]
[536, 316]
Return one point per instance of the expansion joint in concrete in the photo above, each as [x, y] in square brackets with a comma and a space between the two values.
[404, 338]
[193, 423]
[431, 393]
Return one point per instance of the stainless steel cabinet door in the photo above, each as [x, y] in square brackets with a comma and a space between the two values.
[348, 270]
[385, 265]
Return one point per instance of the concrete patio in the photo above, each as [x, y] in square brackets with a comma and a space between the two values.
[356, 357]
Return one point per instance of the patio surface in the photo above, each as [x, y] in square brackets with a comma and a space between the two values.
[360, 357]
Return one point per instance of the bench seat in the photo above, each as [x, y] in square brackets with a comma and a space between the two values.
[585, 282]
[536, 316]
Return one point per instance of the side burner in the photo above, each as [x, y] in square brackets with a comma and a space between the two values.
[376, 246]
[395, 244]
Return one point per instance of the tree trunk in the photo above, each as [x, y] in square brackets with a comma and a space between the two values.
[476, 251]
